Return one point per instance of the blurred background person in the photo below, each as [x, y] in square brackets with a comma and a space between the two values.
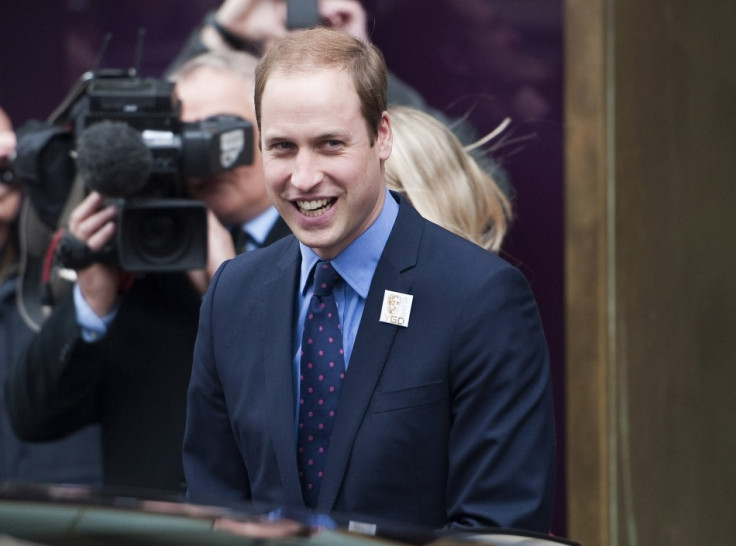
[222, 83]
[430, 166]
[253, 25]
[76, 459]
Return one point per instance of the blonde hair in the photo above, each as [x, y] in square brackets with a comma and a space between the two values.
[429, 166]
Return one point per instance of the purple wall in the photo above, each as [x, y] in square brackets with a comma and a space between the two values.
[488, 59]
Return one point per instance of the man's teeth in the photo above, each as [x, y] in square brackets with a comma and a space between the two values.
[315, 207]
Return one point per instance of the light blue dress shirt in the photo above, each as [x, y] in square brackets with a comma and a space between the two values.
[259, 227]
[356, 265]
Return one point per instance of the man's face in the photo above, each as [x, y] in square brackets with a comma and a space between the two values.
[321, 170]
[237, 195]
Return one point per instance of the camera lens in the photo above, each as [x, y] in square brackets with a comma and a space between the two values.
[161, 237]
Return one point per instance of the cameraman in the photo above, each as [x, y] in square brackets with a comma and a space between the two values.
[118, 349]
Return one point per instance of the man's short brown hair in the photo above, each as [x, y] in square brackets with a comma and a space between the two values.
[322, 47]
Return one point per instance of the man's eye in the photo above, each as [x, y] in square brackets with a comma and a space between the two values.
[282, 146]
[333, 144]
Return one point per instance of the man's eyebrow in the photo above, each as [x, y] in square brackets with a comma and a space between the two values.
[327, 135]
[333, 135]
[276, 137]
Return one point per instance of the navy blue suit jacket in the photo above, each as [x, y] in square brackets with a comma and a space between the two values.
[447, 422]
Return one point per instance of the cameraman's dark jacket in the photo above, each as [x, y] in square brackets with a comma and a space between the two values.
[133, 382]
[76, 458]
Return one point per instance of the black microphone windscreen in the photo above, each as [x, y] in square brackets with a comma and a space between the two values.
[113, 159]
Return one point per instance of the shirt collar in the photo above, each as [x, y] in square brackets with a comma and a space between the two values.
[357, 263]
[260, 226]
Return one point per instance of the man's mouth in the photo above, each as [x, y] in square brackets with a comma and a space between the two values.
[315, 207]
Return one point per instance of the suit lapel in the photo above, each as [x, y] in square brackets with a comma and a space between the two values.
[278, 316]
[372, 347]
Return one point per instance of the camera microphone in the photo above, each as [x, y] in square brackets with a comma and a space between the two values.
[113, 159]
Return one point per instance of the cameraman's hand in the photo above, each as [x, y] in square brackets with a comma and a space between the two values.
[256, 21]
[219, 248]
[91, 223]
[347, 15]
[264, 21]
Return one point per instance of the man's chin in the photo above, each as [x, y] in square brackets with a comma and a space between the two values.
[323, 243]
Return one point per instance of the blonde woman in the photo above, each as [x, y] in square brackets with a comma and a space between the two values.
[430, 166]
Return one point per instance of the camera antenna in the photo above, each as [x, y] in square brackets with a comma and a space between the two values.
[138, 52]
[61, 112]
[103, 49]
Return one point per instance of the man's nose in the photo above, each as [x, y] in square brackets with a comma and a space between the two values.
[307, 173]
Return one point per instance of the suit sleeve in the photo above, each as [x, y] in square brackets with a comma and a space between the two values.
[215, 472]
[52, 387]
[501, 452]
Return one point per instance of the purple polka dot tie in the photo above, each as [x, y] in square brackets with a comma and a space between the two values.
[322, 373]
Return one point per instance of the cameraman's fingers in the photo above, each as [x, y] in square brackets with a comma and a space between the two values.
[101, 236]
[347, 15]
[86, 228]
[233, 12]
[91, 224]
[87, 206]
[259, 21]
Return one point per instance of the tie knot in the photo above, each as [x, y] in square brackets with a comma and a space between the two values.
[325, 278]
[243, 240]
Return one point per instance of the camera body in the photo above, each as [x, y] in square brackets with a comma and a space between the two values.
[159, 227]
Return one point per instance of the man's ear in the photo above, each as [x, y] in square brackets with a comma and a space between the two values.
[384, 137]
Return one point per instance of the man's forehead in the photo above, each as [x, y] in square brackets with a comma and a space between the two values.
[306, 93]
[300, 77]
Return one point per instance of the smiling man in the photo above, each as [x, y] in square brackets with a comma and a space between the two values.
[324, 169]
[433, 411]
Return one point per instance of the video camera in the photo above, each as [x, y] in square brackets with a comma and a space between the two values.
[132, 147]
